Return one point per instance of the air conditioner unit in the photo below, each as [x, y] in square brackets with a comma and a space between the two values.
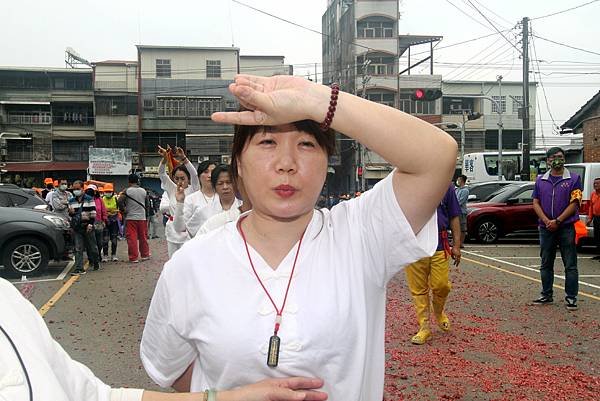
[226, 159]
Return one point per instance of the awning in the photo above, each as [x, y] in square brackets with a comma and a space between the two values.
[45, 166]
[23, 102]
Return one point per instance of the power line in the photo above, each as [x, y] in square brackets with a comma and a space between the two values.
[294, 23]
[540, 79]
[565, 45]
[493, 26]
[564, 11]
[466, 14]
[497, 15]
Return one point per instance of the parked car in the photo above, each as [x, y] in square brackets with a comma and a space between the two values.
[588, 172]
[481, 191]
[509, 210]
[30, 238]
[14, 196]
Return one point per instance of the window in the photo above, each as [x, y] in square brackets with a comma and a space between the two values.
[407, 105]
[380, 65]
[81, 114]
[111, 106]
[163, 68]
[213, 68]
[525, 196]
[71, 150]
[116, 140]
[516, 104]
[456, 105]
[150, 140]
[17, 200]
[203, 106]
[231, 105]
[502, 101]
[148, 104]
[170, 106]
[383, 98]
[375, 27]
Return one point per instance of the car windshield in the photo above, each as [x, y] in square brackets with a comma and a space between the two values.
[501, 195]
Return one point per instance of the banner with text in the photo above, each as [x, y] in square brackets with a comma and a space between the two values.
[109, 161]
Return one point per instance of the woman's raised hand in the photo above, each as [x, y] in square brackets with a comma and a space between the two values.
[180, 194]
[162, 151]
[179, 153]
[275, 100]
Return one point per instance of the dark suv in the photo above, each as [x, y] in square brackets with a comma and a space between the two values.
[29, 238]
[13, 196]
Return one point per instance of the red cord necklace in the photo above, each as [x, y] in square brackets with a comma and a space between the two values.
[274, 341]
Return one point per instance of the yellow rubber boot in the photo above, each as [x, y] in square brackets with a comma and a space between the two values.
[438, 310]
[422, 309]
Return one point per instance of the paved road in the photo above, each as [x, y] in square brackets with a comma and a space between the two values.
[499, 344]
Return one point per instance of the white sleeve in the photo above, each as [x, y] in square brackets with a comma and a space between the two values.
[75, 378]
[165, 353]
[194, 180]
[195, 221]
[165, 203]
[178, 219]
[378, 228]
[166, 182]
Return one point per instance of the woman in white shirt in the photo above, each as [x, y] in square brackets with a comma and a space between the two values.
[286, 289]
[192, 214]
[228, 204]
[35, 367]
[182, 175]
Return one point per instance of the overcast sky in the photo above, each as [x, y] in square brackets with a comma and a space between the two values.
[36, 33]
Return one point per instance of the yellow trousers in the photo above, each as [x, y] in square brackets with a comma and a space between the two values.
[429, 274]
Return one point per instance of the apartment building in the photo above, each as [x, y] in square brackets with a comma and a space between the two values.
[47, 123]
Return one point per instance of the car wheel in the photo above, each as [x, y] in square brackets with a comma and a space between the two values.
[487, 231]
[25, 256]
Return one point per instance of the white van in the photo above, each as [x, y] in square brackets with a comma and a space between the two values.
[588, 172]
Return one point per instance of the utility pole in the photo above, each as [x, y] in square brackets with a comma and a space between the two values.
[525, 172]
[365, 80]
[500, 125]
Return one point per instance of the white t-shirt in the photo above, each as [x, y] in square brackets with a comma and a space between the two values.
[197, 208]
[219, 220]
[212, 310]
[52, 373]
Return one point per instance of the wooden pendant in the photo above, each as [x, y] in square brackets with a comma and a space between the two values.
[273, 354]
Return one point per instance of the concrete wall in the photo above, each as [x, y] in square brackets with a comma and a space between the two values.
[188, 63]
[122, 78]
[265, 66]
[388, 8]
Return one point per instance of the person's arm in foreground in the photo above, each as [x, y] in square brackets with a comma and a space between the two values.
[284, 389]
[424, 156]
[455, 229]
[79, 382]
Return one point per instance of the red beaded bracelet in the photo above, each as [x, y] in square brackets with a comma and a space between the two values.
[335, 90]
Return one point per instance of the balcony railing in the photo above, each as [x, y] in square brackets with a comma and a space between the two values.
[29, 119]
[73, 120]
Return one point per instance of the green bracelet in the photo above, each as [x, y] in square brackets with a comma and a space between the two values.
[210, 395]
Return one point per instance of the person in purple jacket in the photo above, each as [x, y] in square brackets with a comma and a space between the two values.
[432, 273]
[556, 199]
